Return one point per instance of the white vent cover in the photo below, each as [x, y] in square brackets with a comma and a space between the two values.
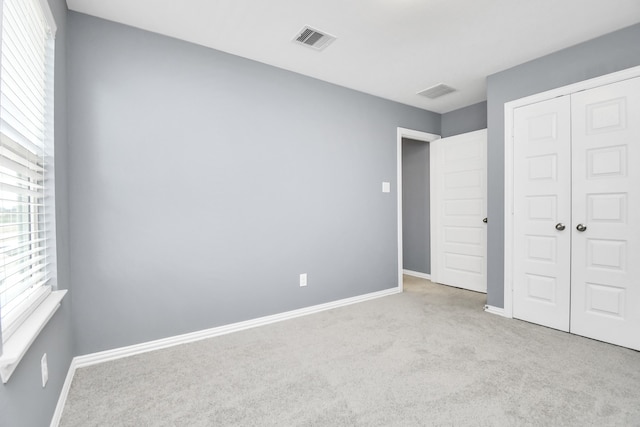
[313, 38]
[437, 91]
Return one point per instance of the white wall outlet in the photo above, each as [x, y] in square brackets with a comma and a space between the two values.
[386, 187]
[45, 370]
[303, 279]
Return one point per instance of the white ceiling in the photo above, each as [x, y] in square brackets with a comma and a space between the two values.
[388, 48]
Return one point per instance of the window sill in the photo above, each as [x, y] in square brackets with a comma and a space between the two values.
[14, 349]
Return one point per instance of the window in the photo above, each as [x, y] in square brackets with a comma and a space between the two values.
[27, 222]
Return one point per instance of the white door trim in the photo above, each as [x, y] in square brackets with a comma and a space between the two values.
[509, 108]
[417, 136]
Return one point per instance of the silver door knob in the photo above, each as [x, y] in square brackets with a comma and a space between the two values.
[581, 227]
[560, 226]
[485, 220]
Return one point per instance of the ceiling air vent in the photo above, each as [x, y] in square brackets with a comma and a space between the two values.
[313, 38]
[437, 91]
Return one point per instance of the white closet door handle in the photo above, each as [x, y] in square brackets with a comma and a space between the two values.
[581, 227]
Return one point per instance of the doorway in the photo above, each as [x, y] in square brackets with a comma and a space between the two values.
[416, 221]
[456, 176]
[417, 138]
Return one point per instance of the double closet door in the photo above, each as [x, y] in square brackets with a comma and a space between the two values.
[577, 213]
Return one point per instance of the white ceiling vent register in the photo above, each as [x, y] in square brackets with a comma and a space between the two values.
[437, 91]
[313, 38]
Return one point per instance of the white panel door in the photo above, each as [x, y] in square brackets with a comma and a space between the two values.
[542, 213]
[461, 205]
[605, 299]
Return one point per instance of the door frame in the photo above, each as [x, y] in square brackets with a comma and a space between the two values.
[509, 108]
[416, 136]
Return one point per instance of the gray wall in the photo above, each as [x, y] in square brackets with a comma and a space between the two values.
[202, 184]
[416, 234]
[463, 120]
[603, 55]
[23, 401]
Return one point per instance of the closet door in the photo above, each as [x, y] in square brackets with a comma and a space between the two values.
[542, 213]
[605, 296]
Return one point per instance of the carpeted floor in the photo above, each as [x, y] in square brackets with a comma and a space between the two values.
[427, 357]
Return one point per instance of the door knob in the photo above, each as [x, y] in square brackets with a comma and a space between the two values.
[560, 226]
[485, 220]
[581, 227]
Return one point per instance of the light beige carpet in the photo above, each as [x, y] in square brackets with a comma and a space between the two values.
[429, 357]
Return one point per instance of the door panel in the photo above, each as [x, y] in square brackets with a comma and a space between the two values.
[542, 200]
[461, 199]
[605, 301]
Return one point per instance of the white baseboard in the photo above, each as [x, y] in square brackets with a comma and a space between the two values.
[495, 310]
[417, 274]
[119, 353]
[64, 393]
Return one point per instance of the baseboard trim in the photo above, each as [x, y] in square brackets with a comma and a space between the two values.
[495, 310]
[132, 350]
[417, 274]
[64, 393]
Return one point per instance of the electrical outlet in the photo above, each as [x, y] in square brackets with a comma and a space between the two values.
[45, 370]
[303, 279]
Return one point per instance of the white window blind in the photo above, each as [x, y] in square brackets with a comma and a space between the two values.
[27, 225]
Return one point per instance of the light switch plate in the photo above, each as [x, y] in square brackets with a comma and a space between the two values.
[386, 187]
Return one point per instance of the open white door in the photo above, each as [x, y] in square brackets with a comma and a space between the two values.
[458, 211]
